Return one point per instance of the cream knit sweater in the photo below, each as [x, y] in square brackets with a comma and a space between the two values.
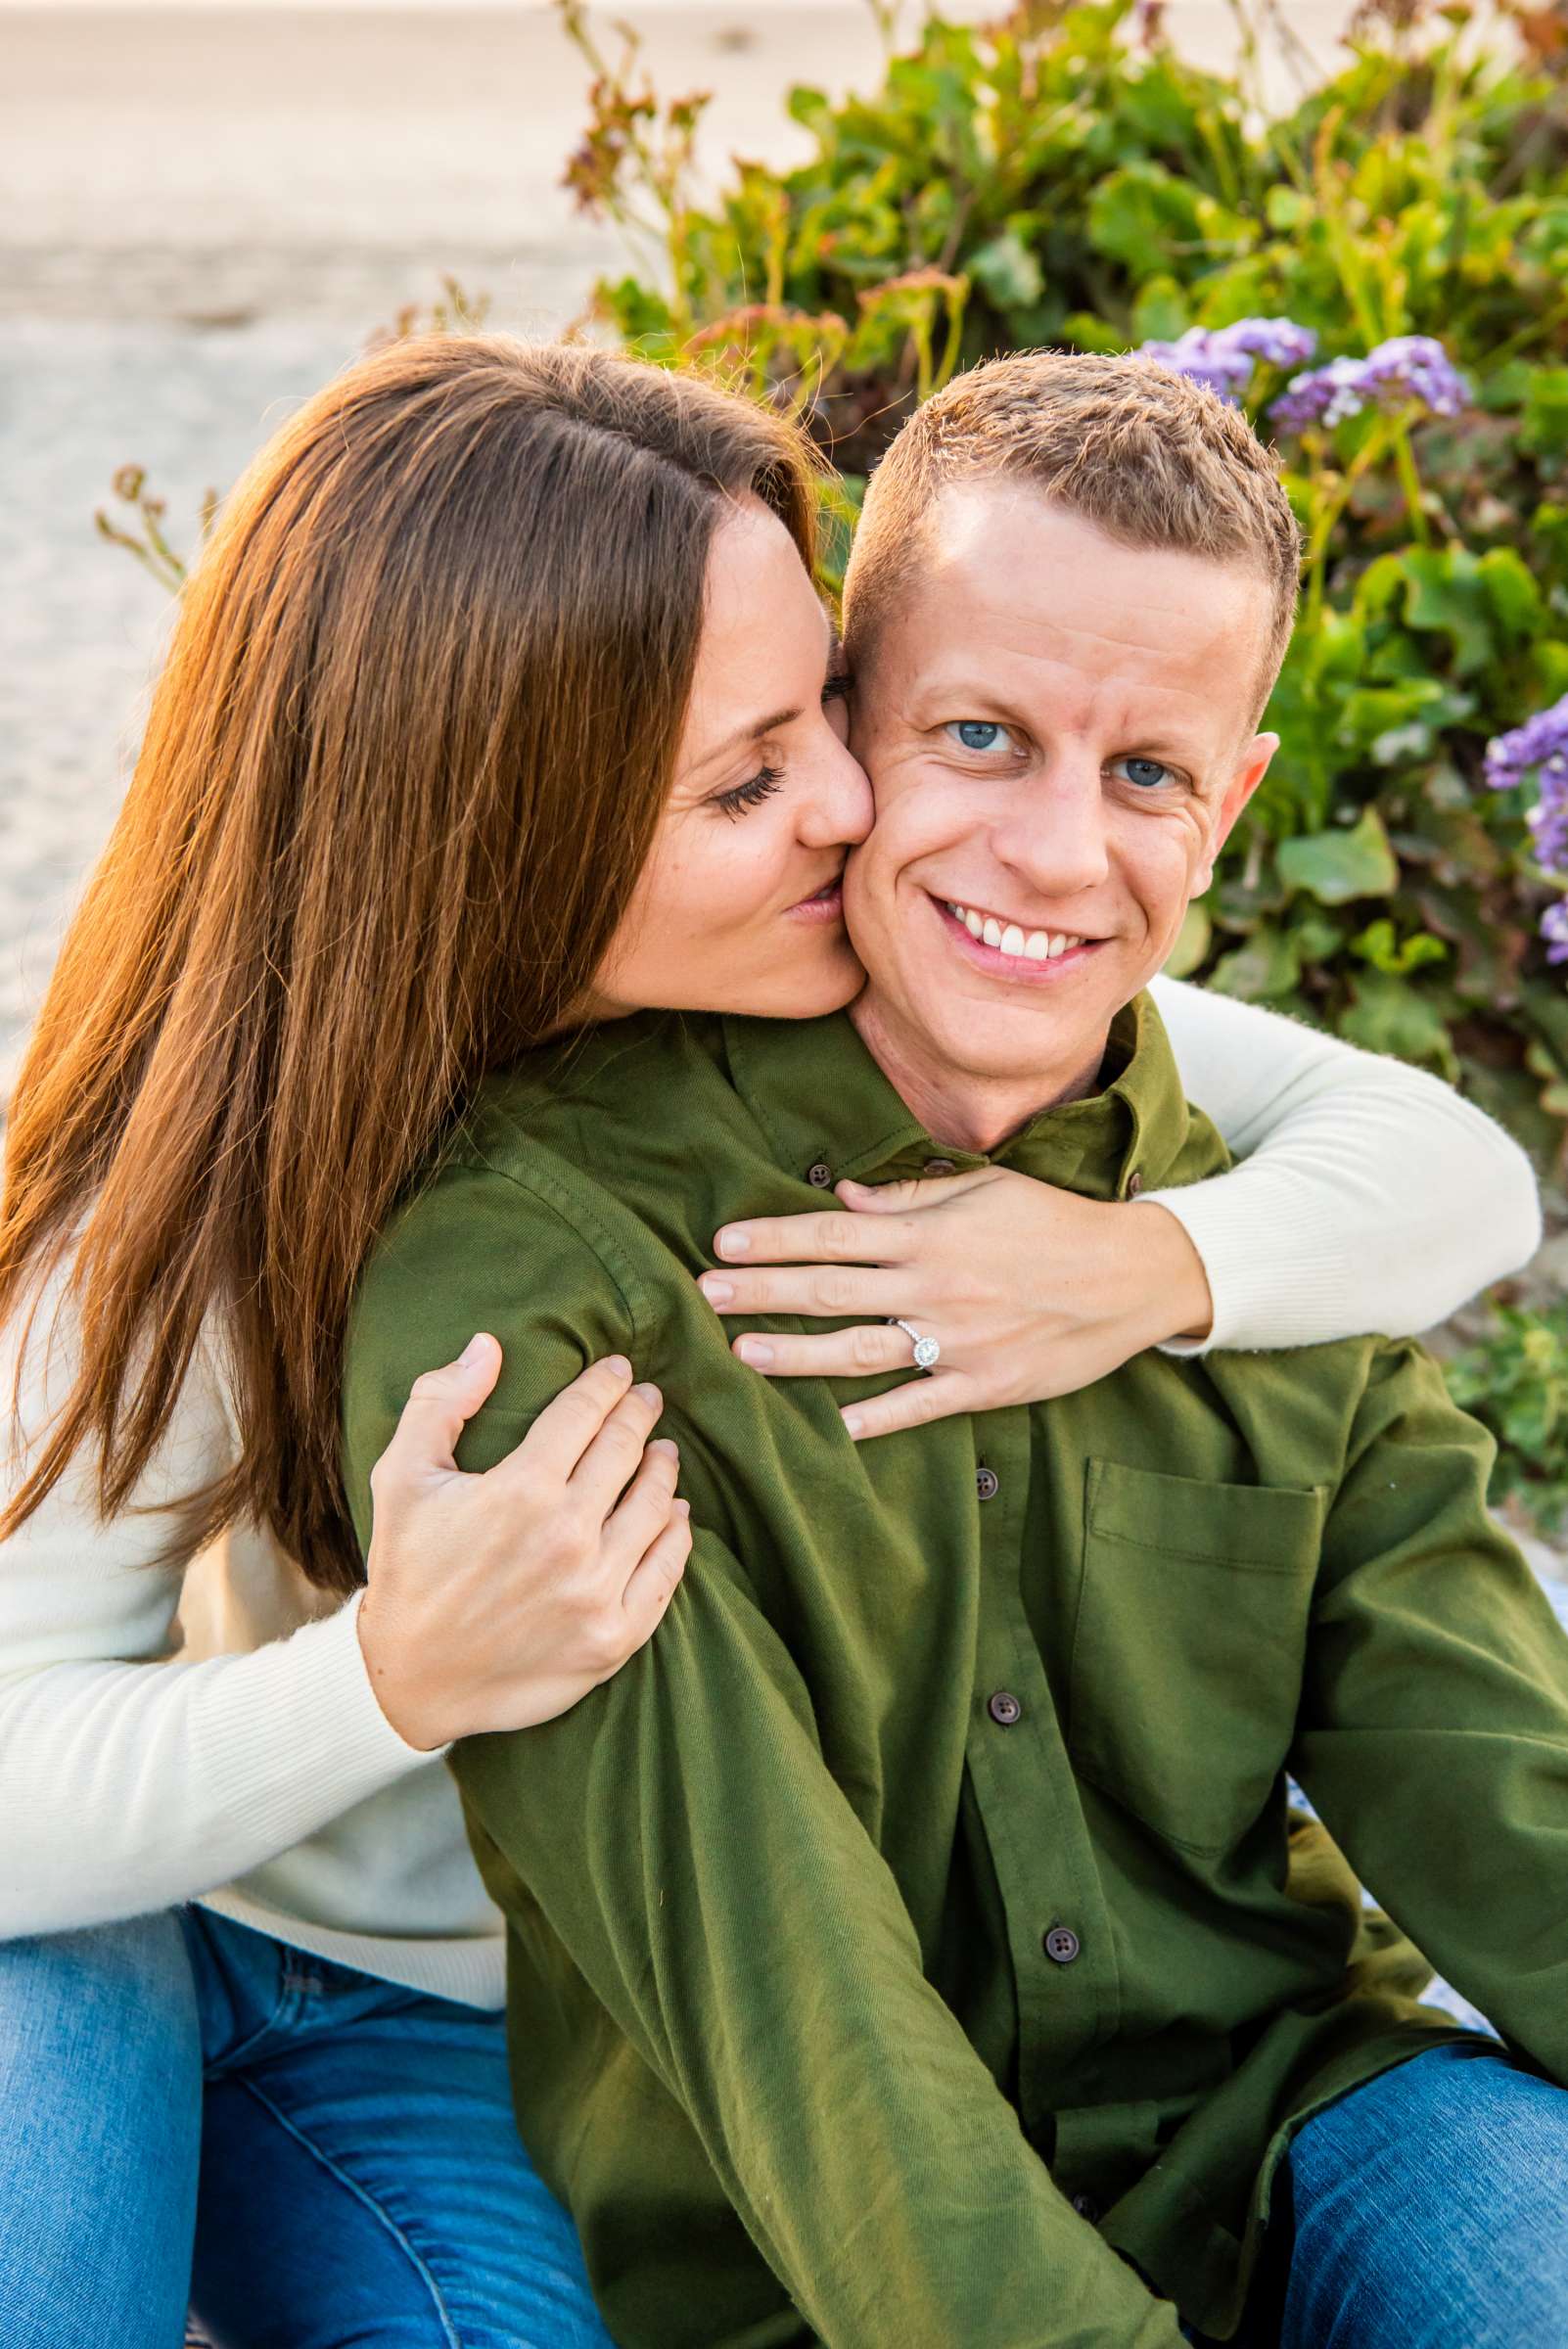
[205, 1730]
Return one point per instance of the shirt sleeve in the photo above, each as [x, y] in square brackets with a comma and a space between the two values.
[129, 1780]
[1433, 1733]
[684, 1840]
[1370, 1198]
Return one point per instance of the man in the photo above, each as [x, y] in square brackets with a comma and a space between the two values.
[913, 1945]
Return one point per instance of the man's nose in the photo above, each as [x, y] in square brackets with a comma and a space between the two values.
[1055, 838]
[837, 810]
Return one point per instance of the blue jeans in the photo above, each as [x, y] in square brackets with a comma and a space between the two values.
[1426, 2210]
[312, 2157]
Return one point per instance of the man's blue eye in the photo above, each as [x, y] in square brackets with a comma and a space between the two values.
[1147, 773]
[977, 733]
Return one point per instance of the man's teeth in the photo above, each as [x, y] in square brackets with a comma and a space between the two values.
[1038, 945]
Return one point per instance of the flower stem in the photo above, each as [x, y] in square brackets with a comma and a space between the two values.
[1410, 482]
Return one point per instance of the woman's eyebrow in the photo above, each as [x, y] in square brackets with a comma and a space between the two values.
[753, 731]
[838, 679]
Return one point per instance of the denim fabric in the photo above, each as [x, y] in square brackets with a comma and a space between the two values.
[314, 2157]
[1425, 2210]
[1430, 2209]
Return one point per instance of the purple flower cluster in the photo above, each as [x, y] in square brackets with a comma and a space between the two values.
[1541, 741]
[1225, 357]
[1540, 747]
[1406, 368]
[1554, 929]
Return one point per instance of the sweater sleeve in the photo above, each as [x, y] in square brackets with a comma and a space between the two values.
[130, 1779]
[1371, 1198]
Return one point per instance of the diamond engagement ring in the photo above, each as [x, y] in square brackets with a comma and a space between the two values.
[928, 1351]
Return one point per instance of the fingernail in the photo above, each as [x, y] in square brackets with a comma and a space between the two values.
[716, 1291]
[647, 1392]
[683, 1508]
[618, 1364]
[852, 1421]
[733, 1243]
[756, 1350]
[472, 1352]
[666, 1444]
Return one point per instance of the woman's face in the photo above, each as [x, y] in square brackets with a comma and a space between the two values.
[739, 907]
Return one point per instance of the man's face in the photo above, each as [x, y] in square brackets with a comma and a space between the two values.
[1059, 735]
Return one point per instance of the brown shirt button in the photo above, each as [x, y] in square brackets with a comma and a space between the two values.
[1062, 1944]
[987, 1484]
[940, 1166]
[1004, 1707]
[821, 1174]
[1135, 1184]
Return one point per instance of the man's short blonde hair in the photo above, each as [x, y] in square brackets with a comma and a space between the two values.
[1147, 456]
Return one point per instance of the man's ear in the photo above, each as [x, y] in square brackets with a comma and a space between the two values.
[1253, 765]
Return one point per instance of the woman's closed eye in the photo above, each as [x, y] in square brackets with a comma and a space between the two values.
[749, 793]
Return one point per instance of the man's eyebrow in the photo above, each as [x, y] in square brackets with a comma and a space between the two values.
[962, 695]
[964, 689]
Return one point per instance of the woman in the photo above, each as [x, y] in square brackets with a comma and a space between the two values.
[431, 690]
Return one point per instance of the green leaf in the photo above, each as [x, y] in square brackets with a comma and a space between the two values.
[1336, 866]
[1268, 965]
[1085, 331]
[1379, 946]
[1391, 722]
[1316, 938]
[1161, 312]
[1549, 525]
[1515, 598]
[1192, 942]
[1285, 209]
[1448, 594]
[1388, 1015]
[639, 313]
[1543, 425]
[1008, 271]
[1143, 217]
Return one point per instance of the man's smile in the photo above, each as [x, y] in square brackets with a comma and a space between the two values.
[994, 943]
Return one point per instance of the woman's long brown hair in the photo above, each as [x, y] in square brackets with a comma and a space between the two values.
[402, 769]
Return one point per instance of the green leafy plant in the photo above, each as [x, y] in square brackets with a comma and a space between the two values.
[1064, 177]
[1515, 1380]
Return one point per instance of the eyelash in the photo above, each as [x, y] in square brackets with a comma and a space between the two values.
[766, 780]
[749, 793]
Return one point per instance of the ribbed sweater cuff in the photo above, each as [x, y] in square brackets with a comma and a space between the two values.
[1265, 1294]
[299, 1737]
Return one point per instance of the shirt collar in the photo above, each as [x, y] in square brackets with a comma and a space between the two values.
[831, 1114]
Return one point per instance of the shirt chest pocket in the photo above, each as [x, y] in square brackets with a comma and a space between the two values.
[1188, 1646]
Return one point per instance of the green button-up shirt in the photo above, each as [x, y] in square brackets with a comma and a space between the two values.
[916, 1937]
